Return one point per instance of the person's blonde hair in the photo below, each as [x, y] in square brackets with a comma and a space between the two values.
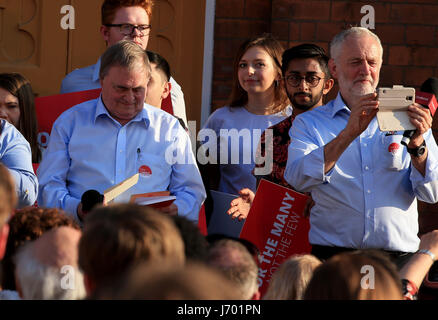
[292, 277]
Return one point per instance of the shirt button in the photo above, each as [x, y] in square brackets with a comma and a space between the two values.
[366, 168]
[365, 145]
[368, 191]
[121, 151]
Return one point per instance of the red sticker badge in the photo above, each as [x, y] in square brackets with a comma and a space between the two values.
[145, 171]
[393, 147]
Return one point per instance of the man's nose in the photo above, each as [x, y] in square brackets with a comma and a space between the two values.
[365, 68]
[303, 86]
[135, 33]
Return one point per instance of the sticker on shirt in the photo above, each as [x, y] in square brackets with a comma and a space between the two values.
[393, 148]
[145, 171]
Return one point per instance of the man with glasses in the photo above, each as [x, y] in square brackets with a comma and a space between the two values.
[307, 80]
[122, 20]
[364, 183]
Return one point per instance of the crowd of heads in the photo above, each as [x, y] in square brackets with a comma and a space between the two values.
[127, 251]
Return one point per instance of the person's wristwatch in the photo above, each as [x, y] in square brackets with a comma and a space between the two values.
[418, 151]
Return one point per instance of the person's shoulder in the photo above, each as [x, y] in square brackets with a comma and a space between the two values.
[158, 115]
[74, 81]
[81, 110]
[321, 112]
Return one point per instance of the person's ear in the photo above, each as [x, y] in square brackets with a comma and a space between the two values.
[4, 232]
[328, 85]
[166, 90]
[332, 68]
[104, 31]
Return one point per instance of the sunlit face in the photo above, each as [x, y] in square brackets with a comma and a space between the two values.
[158, 87]
[9, 107]
[357, 66]
[124, 91]
[131, 15]
[257, 72]
[303, 96]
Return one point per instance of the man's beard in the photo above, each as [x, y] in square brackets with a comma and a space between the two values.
[359, 89]
[306, 105]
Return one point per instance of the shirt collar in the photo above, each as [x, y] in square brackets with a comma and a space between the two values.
[339, 105]
[96, 71]
[102, 111]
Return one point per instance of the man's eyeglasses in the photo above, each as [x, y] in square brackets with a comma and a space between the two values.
[294, 80]
[127, 29]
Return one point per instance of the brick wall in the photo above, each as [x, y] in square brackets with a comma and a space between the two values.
[408, 30]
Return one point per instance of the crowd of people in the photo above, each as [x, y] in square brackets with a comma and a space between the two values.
[362, 184]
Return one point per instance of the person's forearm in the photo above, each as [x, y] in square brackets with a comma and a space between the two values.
[420, 163]
[334, 149]
[416, 269]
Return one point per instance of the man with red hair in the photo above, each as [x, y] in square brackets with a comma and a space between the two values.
[122, 20]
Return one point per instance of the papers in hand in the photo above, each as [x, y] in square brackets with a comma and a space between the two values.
[158, 199]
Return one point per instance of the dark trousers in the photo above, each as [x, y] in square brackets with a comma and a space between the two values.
[325, 252]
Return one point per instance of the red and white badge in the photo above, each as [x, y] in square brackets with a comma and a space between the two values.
[145, 171]
[393, 147]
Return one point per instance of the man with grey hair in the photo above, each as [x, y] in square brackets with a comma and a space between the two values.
[236, 263]
[102, 142]
[364, 184]
[47, 268]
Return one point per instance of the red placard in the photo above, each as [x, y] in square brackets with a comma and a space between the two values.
[276, 225]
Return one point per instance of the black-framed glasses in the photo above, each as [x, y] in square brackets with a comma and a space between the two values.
[294, 80]
[127, 29]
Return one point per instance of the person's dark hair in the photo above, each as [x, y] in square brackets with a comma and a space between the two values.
[27, 225]
[160, 63]
[304, 51]
[355, 275]
[20, 87]
[274, 49]
[109, 8]
[118, 236]
[195, 244]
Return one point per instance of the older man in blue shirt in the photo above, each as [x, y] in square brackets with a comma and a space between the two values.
[99, 143]
[363, 182]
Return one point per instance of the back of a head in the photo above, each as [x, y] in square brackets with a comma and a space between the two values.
[237, 264]
[354, 276]
[305, 51]
[118, 236]
[26, 225]
[195, 243]
[8, 196]
[292, 277]
[167, 282]
[47, 267]
[160, 63]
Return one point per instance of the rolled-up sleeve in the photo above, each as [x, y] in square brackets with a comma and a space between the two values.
[426, 188]
[52, 172]
[305, 162]
[16, 155]
[186, 182]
